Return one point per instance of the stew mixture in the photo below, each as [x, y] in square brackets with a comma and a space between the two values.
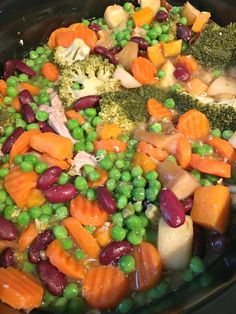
[117, 158]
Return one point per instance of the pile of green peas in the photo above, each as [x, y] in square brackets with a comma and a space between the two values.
[38, 57]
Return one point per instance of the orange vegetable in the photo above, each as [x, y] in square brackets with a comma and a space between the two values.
[144, 71]
[104, 287]
[103, 234]
[87, 212]
[222, 147]
[157, 110]
[72, 114]
[196, 87]
[108, 131]
[188, 62]
[101, 181]
[50, 71]
[210, 166]
[6, 243]
[200, 21]
[183, 152]
[61, 259]
[64, 165]
[56, 146]
[19, 185]
[211, 207]
[19, 290]
[35, 198]
[34, 90]
[145, 162]
[148, 267]
[3, 87]
[173, 48]
[151, 151]
[27, 237]
[194, 125]
[16, 104]
[21, 145]
[82, 237]
[156, 55]
[111, 145]
[143, 16]
[52, 39]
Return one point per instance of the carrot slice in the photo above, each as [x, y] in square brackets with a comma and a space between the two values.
[72, 114]
[194, 125]
[19, 290]
[16, 104]
[3, 87]
[107, 131]
[101, 181]
[148, 267]
[156, 55]
[100, 282]
[82, 237]
[143, 16]
[200, 21]
[27, 237]
[188, 62]
[52, 39]
[157, 110]
[34, 90]
[35, 198]
[19, 185]
[151, 151]
[210, 166]
[145, 162]
[50, 71]
[61, 259]
[144, 71]
[172, 48]
[64, 165]
[183, 152]
[103, 234]
[222, 147]
[111, 145]
[87, 212]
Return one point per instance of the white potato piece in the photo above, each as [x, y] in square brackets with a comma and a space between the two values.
[232, 140]
[175, 244]
[152, 4]
[127, 55]
[169, 79]
[222, 85]
[190, 12]
[125, 78]
[105, 39]
[115, 15]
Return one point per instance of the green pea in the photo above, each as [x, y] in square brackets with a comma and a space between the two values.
[23, 78]
[196, 173]
[169, 103]
[197, 265]
[9, 212]
[3, 172]
[44, 98]
[160, 290]
[20, 123]
[80, 183]
[5, 158]
[80, 146]
[90, 112]
[30, 63]
[139, 182]
[121, 202]
[155, 184]
[96, 121]
[101, 152]
[60, 305]
[176, 10]
[87, 127]
[146, 27]
[88, 169]
[217, 73]
[60, 232]
[155, 127]
[94, 176]
[216, 133]
[111, 184]
[161, 74]
[125, 176]
[91, 194]
[71, 291]
[7, 100]
[47, 209]
[151, 194]
[119, 163]
[9, 201]
[3, 196]
[185, 45]
[138, 207]
[183, 20]
[28, 267]
[187, 275]
[23, 219]
[26, 166]
[164, 37]
[76, 306]
[77, 133]
[106, 163]
[31, 158]
[227, 134]
[205, 182]
[40, 167]
[61, 212]
[133, 222]
[127, 7]
[89, 147]
[79, 254]
[151, 175]
[118, 233]
[136, 171]
[42, 116]
[175, 87]
[172, 158]
[33, 54]
[48, 297]
[134, 238]
[152, 34]
[63, 179]
[138, 194]
[35, 212]
[115, 174]
[125, 305]
[211, 178]
[32, 126]
[12, 81]
[127, 263]
[118, 219]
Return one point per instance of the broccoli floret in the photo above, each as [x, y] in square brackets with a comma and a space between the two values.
[6, 119]
[94, 74]
[78, 50]
[220, 115]
[216, 46]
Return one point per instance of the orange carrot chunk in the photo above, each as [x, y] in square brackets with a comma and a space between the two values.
[183, 152]
[27, 237]
[35, 198]
[16, 104]
[156, 55]
[222, 147]
[210, 166]
[64, 165]
[157, 110]
[72, 114]
[144, 71]
[151, 151]
[143, 16]
[188, 62]
[108, 131]
[87, 212]
[148, 267]
[61, 259]
[34, 90]
[145, 162]
[200, 21]
[196, 86]
[52, 39]
[211, 207]
[3, 87]
[82, 237]
[101, 181]
[111, 145]
[50, 71]
[19, 290]
[104, 287]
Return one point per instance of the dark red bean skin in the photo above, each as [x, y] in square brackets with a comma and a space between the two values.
[52, 278]
[100, 50]
[8, 230]
[199, 241]
[115, 50]
[60, 193]
[161, 16]
[47, 128]
[171, 208]
[86, 102]
[182, 74]
[7, 257]
[95, 27]
[142, 43]
[188, 204]
[112, 58]
[39, 244]
[183, 32]
[114, 251]
[8, 69]
[24, 68]
[106, 200]
[7, 145]
[49, 177]
[25, 97]
[28, 114]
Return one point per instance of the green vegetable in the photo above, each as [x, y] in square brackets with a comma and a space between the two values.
[197, 265]
[125, 305]
[6, 120]
[60, 232]
[118, 233]
[71, 291]
[127, 263]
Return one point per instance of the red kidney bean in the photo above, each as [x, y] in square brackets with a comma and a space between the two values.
[24, 68]
[41, 124]
[143, 54]
[8, 69]
[171, 208]
[142, 43]
[106, 199]
[7, 257]
[95, 27]
[188, 204]
[199, 241]
[181, 74]
[7, 145]
[40, 243]
[52, 278]
[7, 230]
[25, 97]
[86, 102]
[100, 50]
[183, 32]
[60, 193]
[161, 16]
[115, 50]
[111, 57]
[49, 177]
[47, 128]
[28, 114]
[114, 251]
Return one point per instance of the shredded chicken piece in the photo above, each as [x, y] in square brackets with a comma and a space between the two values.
[82, 159]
